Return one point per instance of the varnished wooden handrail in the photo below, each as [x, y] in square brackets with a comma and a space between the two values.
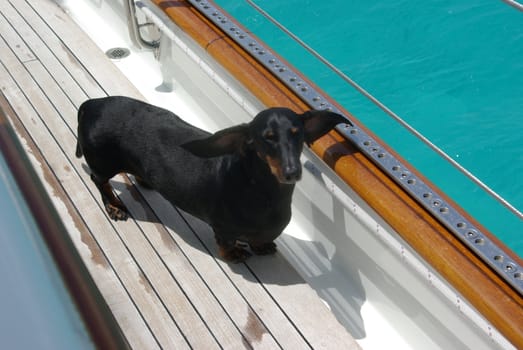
[496, 300]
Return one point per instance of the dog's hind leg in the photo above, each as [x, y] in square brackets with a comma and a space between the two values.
[113, 205]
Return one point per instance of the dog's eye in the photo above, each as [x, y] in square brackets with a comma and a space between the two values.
[269, 135]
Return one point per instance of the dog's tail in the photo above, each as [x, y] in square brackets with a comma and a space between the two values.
[79, 153]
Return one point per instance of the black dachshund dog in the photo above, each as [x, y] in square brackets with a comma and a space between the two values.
[239, 180]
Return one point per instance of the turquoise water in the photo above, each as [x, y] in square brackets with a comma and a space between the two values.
[451, 69]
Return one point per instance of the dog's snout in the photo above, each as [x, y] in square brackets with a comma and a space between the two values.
[291, 173]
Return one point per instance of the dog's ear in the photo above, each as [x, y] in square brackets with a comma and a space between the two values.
[226, 141]
[318, 123]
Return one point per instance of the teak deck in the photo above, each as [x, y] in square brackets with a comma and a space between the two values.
[159, 272]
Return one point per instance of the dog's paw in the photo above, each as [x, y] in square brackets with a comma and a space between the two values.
[116, 212]
[264, 249]
[235, 255]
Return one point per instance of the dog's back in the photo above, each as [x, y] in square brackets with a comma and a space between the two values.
[129, 121]
[130, 128]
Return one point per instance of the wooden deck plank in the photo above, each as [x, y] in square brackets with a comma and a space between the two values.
[194, 327]
[107, 281]
[128, 272]
[289, 308]
[270, 294]
[225, 330]
[97, 66]
[159, 272]
[45, 47]
[310, 320]
[251, 307]
[168, 291]
[10, 35]
[128, 245]
[150, 306]
[153, 274]
[194, 283]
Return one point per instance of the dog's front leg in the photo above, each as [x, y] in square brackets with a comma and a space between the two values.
[113, 205]
[230, 251]
[263, 248]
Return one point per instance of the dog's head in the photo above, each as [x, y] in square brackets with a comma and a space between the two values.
[277, 136]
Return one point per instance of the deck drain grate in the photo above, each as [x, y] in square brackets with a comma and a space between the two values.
[117, 53]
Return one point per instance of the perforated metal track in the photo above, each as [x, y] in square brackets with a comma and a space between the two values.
[468, 233]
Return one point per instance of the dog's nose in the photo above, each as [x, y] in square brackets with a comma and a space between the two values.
[291, 174]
